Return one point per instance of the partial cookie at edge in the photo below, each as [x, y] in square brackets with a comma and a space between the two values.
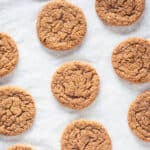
[8, 54]
[87, 135]
[17, 110]
[120, 13]
[20, 147]
[139, 116]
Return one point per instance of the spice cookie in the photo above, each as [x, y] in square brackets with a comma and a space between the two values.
[61, 25]
[131, 60]
[20, 147]
[17, 111]
[85, 135]
[8, 54]
[75, 84]
[120, 12]
[139, 116]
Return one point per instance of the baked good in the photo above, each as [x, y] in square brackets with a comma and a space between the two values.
[20, 147]
[61, 25]
[131, 60]
[85, 135]
[139, 116]
[17, 111]
[8, 54]
[120, 12]
[75, 84]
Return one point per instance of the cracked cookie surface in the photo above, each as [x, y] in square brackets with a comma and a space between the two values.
[139, 116]
[61, 25]
[131, 60]
[17, 111]
[120, 12]
[75, 84]
[20, 147]
[8, 54]
[85, 135]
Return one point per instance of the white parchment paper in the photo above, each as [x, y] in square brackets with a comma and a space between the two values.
[37, 65]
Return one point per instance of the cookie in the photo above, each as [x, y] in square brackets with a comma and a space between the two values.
[139, 116]
[20, 147]
[131, 60]
[17, 111]
[75, 84]
[120, 12]
[85, 135]
[61, 25]
[8, 54]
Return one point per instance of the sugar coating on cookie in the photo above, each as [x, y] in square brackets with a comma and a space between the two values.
[20, 147]
[120, 12]
[61, 25]
[131, 60]
[17, 111]
[85, 135]
[8, 54]
[75, 84]
[139, 116]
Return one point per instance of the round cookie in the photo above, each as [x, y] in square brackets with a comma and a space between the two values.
[17, 111]
[139, 116]
[131, 60]
[85, 135]
[120, 12]
[8, 54]
[20, 147]
[75, 84]
[61, 25]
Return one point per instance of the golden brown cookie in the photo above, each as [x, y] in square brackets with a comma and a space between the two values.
[131, 60]
[17, 111]
[85, 135]
[139, 116]
[61, 25]
[20, 147]
[120, 12]
[8, 54]
[75, 84]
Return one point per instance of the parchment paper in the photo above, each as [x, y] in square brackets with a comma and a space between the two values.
[37, 65]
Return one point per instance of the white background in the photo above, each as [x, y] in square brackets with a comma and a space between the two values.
[37, 65]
